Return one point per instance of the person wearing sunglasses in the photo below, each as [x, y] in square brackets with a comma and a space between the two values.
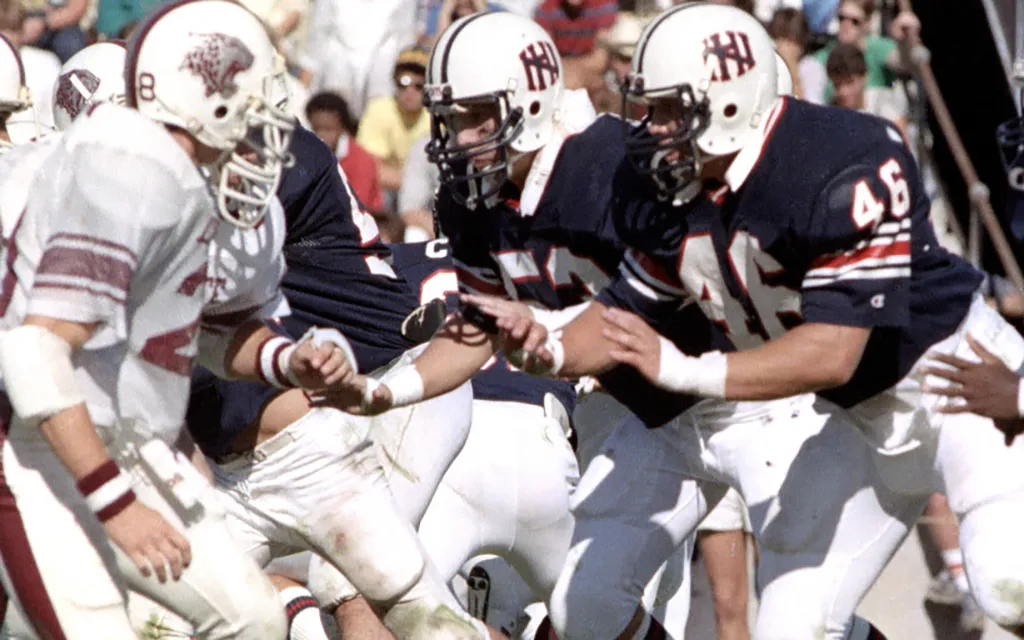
[881, 54]
[391, 124]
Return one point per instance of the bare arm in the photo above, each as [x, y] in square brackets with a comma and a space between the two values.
[68, 15]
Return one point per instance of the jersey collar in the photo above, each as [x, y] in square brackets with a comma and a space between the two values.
[743, 165]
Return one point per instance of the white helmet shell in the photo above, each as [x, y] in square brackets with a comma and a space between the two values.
[93, 75]
[725, 56]
[207, 67]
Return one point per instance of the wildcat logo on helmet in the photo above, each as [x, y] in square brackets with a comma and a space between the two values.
[726, 47]
[217, 59]
[539, 58]
[74, 89]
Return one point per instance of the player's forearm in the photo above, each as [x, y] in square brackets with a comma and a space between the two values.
[587, 352]
[73, 438]
[242, 358]
[811, 357]
[454, 355]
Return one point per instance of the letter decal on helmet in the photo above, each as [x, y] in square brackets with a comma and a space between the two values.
[729, 46]
[74, 89]
[537, 58]
[217, 59]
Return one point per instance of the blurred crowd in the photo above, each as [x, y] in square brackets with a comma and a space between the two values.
[358, 70]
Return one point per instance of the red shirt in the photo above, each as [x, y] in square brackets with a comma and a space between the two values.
[576, 36]
[361, 170]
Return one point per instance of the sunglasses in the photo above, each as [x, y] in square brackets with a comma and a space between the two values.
[852, 19]
[405, 82]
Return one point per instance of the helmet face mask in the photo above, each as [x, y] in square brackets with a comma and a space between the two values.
[494, 63]
[16, 110]
[717, 68]
[671, 159]
[460, 164]
[209, 68]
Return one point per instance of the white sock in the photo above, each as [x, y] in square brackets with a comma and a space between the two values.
[954, 560]
[303, 613]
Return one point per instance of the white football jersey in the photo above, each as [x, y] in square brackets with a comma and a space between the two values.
[114, 227]
[245, 271]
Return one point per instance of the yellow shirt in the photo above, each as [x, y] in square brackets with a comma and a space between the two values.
[382, 132]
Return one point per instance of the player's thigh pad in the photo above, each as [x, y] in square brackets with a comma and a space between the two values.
[58, 564]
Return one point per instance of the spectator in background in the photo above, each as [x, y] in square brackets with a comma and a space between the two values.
[440, 15]
[353, 44]
[331, 121]
[420, 179]
[392, 123]
[287, 20]
[788, 27]
[620, 43]
[848, 73]
[881, 55]
[41, 67]
[575, 26]
[54, 25]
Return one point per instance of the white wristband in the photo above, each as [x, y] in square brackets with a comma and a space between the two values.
[274, 363]
[528, 363]
[704, 376]
[406, 386]
[1020, 398]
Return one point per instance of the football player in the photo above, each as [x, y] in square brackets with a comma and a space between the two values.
[805, 235]
[108, 232]
[15, 99]
[527, 203]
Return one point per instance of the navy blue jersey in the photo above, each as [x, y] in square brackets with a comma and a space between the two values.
[428, 268]
[338, 272]
[562, 253]
[339, 275]
[830, 225]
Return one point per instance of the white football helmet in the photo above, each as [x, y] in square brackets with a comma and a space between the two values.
[205, 66]
[93, 75]
[720, 63]
[496, 58]
[15, 97]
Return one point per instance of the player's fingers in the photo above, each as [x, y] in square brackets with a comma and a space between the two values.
[141, 563]
[625, 357]
[954, 375]
[949, 392]
[173, 558]
[157, 562]
[535, 338]
[624, 319]
[986, 356]
[623, 339]
[962, 407]
[952, 360]
[520, 329]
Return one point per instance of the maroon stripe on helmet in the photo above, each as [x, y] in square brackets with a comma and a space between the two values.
[17, 552]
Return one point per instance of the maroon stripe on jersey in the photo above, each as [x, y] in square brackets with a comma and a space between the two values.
[17, 554]
[259, 364]
[72, 287]
[99, 242]
[76, 262]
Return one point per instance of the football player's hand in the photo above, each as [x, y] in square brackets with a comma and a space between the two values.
[150, 541]
[523, 340]
[496, 306]
[321, 368]
[987, 388]
[634, 342]
[351, 396]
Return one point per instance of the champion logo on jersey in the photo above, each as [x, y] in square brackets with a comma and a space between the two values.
[733, 52]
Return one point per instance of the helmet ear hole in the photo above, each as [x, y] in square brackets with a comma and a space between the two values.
[730, 110]
[220, 112]
[534, 107]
